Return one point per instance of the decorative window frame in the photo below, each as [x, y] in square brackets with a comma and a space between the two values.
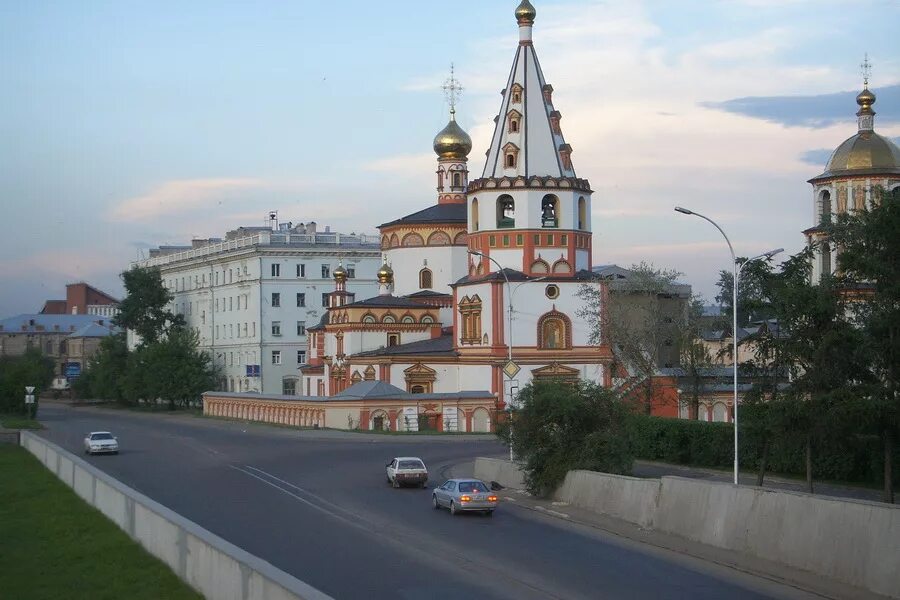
[567, 329]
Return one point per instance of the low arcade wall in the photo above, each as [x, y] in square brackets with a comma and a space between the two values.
[856, 542]
[206, 562]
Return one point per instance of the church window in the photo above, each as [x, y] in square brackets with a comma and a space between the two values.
[417, 389]
[563, 239]
[425, 279]
[516, 93]
[492, 240]
[389, 319]
[408, 319]
[549, 239]
[393, 339]
[511, 161]
[368, 318]
[826, 259]
[506, 241]
[439, 238]
[552, 291]
[825, 207]
[554, 331]
[562, 266]
[582, 213]
[474, 214]
[536, 239]
[506, 212]
[470, 311]
[457, 180]
[428, 319]
[550, 211]
[412, 239]
[513, 119]
[540, 267]
[520, 239]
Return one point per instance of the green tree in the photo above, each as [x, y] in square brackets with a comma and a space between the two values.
[105, 373]
[753, 305]
[694, 356]
[173, 369]
[561, 427]
[16, 372]
[823, 349]
[869, 262]
[143, 309]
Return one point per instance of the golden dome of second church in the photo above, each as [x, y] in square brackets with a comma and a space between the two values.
[452, 142]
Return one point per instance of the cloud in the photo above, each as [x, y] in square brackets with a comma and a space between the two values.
[71, 264]
[182, 196]
[809, 111]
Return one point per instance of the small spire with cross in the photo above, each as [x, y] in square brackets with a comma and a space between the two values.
[866, 68]
[452, 91]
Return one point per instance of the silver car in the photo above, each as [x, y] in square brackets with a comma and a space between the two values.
[464, 495]
[101, 442]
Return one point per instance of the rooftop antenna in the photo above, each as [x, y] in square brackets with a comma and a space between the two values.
[866, 68]
[452, 91]
[273, 220]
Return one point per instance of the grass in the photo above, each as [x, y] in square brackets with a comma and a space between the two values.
[19, 422]
[53, 545]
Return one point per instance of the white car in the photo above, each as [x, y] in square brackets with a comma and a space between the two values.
[407, 470]
[101, 442]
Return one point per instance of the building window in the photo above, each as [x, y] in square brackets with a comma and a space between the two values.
[326, 271]
[554, 331]
[301, 357]
[276, 299]
[470, 311]
[520, 239]
[276, 270]
[393, 339]
[408, 319]
[425, 279]
[552, 291]
[301, 270]
[506, 241]
[825, 207]
[368, 319]
[510, 161]
[510, 153]
[474, 214]
[351, 272]
[457, 180]
[513, 120]
[506, 212]
[549, 211]
[582, 213]
[276, 328]
[289, 386]
[301, 327]
[276, 357]
[516, 93]
[427, 320]
[492, 241]
[325, 300]
[388, 319]
[301, 299]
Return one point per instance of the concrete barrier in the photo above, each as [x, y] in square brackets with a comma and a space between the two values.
[628, 498]
[856, 542]
[212, 566]
[503, 472]
[853, 541]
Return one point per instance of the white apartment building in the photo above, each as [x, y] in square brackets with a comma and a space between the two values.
[251, 296]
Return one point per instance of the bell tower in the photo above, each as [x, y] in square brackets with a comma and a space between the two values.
[529, 210]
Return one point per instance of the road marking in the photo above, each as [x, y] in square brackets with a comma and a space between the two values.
[552, 512]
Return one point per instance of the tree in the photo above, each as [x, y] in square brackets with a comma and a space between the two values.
[173, 369]
[753, 305]
[693, 354]
[823, 350]
[566, 426]
[641, 321]
[16, 372]
[106, 372]
[144, 308]
[868, 240]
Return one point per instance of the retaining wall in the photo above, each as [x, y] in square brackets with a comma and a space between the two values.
[206, 562]
[856, 542]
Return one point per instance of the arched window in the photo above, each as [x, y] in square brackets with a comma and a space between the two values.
[457, 180]
[825, 207]
[826, 259]
[506, 212]
[550, 211]
[427, 319]
[540, 266]
[417, 389]
[511, 161]
[439, 238]
[562, 266]
[474, 214]
[413, 239]
[389, 319]
[554, 331]
[513, 119]
[516, 93]
[425, 279]
[582, 213]
[407, 319]
[368, 318]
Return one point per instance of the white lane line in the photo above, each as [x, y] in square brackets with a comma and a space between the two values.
[552, 512]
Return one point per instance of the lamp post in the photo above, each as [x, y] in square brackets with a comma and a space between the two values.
[736, 274]
[508, 336]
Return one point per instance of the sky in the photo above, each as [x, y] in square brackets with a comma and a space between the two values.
[128, 124]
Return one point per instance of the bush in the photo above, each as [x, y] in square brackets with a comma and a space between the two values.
[16, 372]
[562, 427]
[856, 458]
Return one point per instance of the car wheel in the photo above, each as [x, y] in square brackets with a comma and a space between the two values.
[434, 502]
[489, 513]
[453, 508]
[423, 485]
[395, 483]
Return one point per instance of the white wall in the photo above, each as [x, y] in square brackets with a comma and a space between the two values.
[448, 264]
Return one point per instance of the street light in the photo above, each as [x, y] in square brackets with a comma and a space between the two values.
[736, 274]
[509, 343]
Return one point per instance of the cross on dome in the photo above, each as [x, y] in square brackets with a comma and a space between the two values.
[452, 90]
[866, 68]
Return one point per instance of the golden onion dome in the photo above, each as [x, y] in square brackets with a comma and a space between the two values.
[452, 142]
[340, 274]
[385, 274]
[867, 152]
[865, 98]
[525, 13]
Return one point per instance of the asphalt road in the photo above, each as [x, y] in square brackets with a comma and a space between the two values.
[316, 504]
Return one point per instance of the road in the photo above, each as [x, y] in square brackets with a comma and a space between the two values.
[316, 504]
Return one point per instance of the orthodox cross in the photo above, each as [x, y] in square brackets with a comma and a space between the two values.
[866, 68]
[452, 90]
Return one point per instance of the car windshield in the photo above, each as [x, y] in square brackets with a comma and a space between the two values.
[411, 464]
[472, 486]
[102, 436]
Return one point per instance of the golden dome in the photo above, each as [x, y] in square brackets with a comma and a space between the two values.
[385, 274]
[865, 98]
[452, 142]
[525, 13]
[340, 274]
[866, 152]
